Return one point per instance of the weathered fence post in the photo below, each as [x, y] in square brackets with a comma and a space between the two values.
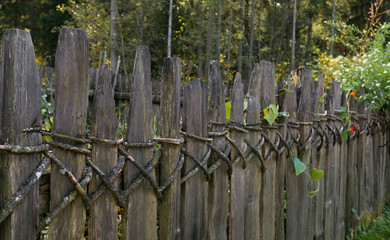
[103, 221]
[267, 203]
[361, 149]
[341, 169]
[237, 192]
[218, 205]
[194, 190]
[292, 200]
[20, 108]
[70, 114]
[253, 174]
[304, 153]
[352, 198]
[281, 162]
[140, 220]
[319, 108]
[169, 210]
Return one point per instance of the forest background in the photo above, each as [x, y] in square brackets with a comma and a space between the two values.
[238, 33]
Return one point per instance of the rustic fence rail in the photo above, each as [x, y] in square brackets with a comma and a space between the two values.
[206, 176]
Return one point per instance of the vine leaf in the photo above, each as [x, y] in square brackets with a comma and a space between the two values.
[317, 174]
[270, 113]
[228, 106]
[299, 166]
[344, 135]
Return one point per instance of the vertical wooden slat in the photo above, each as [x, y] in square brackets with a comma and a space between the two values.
[70, 114]
[352, 176]
[369, 169]
[169, 214]
[281, 165]
[194, 190]
[268, 204]
[237, 194]
[320, 197]
[361, 148]
[218, 186]
[20, 107]
[253, 174]
[292, 200]
[305, 224]
[343, 159]
[140, 220]
[103, 223]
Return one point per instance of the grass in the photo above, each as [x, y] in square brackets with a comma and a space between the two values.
[370, 229]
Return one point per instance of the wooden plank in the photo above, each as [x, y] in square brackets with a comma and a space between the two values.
[361, 148]
[169, 213]
[237, 194]
[306, 223]
[20, 108]
[329, 206]
[319, 198]
[281, 165]
[352, 177]
[369, 170]
[194, 190]
[268, 203]
[253, 175]
[70, 114]
[343, 159]
[140, 221]
[103, 223]
[218, 190]
[292, 200]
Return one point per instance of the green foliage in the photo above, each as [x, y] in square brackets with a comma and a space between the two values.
[270, 113]
[378, 228]
[317, 174]
[228, 106]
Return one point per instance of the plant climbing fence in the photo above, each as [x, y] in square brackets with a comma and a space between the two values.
[254, 174]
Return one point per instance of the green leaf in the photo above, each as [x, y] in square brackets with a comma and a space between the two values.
[344, 135]
[317, 174]
[270, 113]
[348, 88]
[284, 114]
[228, 106]
[245, 103]
[299, 166]
[344, 115]
[344, 109]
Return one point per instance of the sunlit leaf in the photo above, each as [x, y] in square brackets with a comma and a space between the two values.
[228, 106]
[316, 173]
[344, 135]
[270, 113]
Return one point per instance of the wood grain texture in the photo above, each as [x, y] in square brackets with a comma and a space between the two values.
[292, 194]
[70, 114]
[218, 187]
[281, 162]
[169, 209]
[306, 223]
[237, 194]
[361, 149]
[320, 164]
[268, 203]
[140, 220]
[20, 108]
[253, 175]
[194, 190]
[103, 223]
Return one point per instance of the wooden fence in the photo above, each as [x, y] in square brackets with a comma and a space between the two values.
[204, 177]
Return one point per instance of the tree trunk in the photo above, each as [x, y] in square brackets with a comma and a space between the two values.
[141, 21]
[228, 51]
[210, 35]
[219, 31]
[170, 28]
[332, 27]
[251, 40]
[308, 44]
[114, 34]
[293, 36]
